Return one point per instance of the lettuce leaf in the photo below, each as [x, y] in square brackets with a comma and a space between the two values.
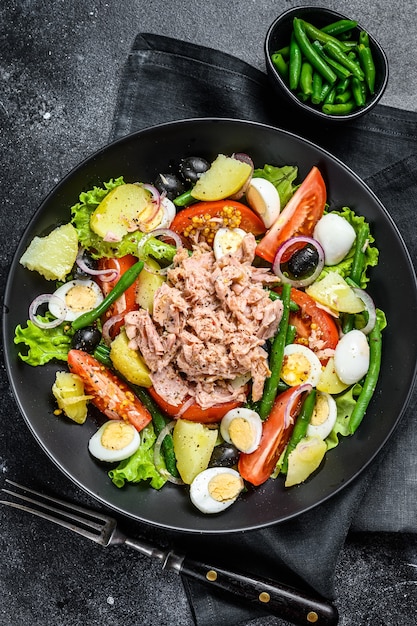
[281, 177]
[80, 218]
[43, 344]
[345, 403]
[140, 466]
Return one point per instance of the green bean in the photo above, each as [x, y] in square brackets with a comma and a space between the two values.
[311, 53]
[364, 38]
[291, 334]
[276, 357]
[371, 379]
[343, 97]
[342, 85]
[358, 91]
[125, 281]
[319, 35]
[280, 63]
[295, 63]
[334, 51]
[185, 199]
[277, 296]
[340, 71]
[338, 109]
[340, 26]
[325, 90]
[358, 264]
[300, 427]
[102, 354]
[368, 66]
[306, 78]
[317, 87]
[329, 99]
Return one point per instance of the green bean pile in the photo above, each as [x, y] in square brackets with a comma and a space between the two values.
[326, 67]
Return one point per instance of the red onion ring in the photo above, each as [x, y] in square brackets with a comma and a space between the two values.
[303, 282]
[108, 325]
[297, 392]
[156, 196]
[46, 298]
[159, 232]
[106, 275]
[370, 309]
[157, 454]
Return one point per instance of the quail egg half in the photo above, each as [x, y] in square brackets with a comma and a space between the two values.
[243, 428]
[114, 441]
[75, 298]
[213, 490]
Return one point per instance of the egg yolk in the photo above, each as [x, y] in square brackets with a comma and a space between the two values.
[117, 435]
[80, 298]
[295, 369]
[224, 487]
[320, 412]
[241, 433]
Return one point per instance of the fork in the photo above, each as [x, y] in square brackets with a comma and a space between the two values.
[286, 602]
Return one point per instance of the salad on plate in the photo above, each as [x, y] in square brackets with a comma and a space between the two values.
[217, 323]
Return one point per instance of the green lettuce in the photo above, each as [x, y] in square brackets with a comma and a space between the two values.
[281, 177]
[80, 218]
[345, 403]
[140, 466]
[43, 344]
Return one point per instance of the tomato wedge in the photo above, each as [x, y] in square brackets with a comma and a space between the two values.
[250, 222]
[299, 216]
[110, 394]
[127, 301]
[258, 466]
[312, 320]
[194, 412]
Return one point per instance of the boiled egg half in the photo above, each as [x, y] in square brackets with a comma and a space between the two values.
[227, 241]
[300, 366]
[262, 196]
[243, 428]
[114, 441]
[351, 357]
[75, 298]
[336, 237]
[324, 416]
[213, 490]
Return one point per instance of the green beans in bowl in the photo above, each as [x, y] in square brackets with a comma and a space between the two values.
[325, 64]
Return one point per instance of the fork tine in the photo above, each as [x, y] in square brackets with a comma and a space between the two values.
[90, 524]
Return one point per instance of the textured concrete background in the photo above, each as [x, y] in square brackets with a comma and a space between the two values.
[60, 63]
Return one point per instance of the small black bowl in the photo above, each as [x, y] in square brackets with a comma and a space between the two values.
[278, 36]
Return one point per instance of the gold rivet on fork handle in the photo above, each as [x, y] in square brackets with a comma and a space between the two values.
[312, 617]
[211, 575]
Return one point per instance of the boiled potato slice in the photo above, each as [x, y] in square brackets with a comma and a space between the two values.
[146, 286]
[334, 292]
[223, 179]
[329, 381]
[121, 211]
[193, 447]
[52, 256]
[68, 390]
[304, 460]
[129, 362]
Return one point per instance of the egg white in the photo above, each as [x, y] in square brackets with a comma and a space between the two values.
[262, 196]
[227, 241]
[110, 451]
[324, 416]
[245, 433]
[73, 308]
[351, 357]
[336, 237]
[300, 366]
[200, 493]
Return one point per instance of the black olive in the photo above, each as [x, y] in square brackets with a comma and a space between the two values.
[88, 260]
[86, 339]
[170, 184]
[192, 167]
[224, 455]
[303, 262]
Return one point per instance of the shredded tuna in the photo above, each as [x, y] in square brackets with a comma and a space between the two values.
[210, 322]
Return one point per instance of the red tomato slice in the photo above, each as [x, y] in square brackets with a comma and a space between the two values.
[110, 394]
[258, 466]
[311, 318]
[299, 216]
[250, 222]
[194, 413]
[127, 301]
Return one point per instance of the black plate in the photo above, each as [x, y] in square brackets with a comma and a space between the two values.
[140, 157]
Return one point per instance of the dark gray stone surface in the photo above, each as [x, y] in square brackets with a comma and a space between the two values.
[60, 63]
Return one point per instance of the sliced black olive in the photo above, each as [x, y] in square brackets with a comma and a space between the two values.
[192, 167]
[88, 260]
[86, 339]
[224, 455]
[171, 184]
[303, 262]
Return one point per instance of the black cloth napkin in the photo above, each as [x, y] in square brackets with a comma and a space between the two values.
[166, 79]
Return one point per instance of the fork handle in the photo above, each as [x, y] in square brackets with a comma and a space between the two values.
[283, 601]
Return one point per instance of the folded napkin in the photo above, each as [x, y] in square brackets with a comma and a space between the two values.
[166, 79]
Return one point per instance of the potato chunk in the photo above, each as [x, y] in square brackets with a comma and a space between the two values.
[68, 390]
[52, 256]
[225, 177]
[129, 362]
[121, 211]
[193, 447]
